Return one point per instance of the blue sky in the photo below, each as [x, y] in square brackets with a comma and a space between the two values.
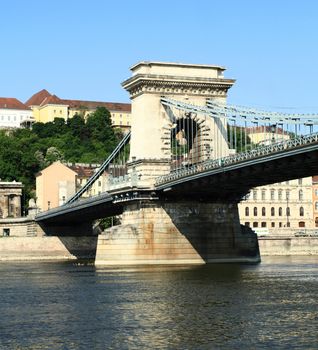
[83, 49]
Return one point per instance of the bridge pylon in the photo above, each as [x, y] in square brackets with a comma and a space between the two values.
[151, 152]
[155, 227]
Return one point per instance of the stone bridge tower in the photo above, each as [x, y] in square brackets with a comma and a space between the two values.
[150, 154]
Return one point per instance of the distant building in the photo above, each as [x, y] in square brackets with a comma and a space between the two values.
[267, 134]
[282, 205]
[14, 114]
[279, 207]
[59, 182]
[10, 199]
[46, 107]
[315, 199]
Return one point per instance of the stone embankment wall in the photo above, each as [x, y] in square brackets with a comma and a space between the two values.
[47, 248]
[288, 245]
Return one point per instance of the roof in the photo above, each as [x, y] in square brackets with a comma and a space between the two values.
[38, 98]
[266, 129]
[85, 171]
[12, 103]
[43, 98]
[111, 106]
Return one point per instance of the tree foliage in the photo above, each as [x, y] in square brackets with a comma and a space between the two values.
[25, 152]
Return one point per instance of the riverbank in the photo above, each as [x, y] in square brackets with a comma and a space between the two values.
[78, 248]
[288, 245]
[47, 248]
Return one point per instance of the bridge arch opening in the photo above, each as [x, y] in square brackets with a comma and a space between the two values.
[186, 141]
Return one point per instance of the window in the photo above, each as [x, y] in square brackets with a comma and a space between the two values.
[280, 211]
[316, 192]
[63, 199]
[273, 224]
[300, 181]
[272, 211]
[255, 211]
[263, 224]
[99, 183]
[263, 194]
[280, 224]
[300, 195]
[255, 224]
[316, 222]
[287, 194]
[254, 194]
[247, 211]
[301, 224]
[263, 211]
[288, 224]
[316, 205]
[301, 211]
[287, 211]
[280, 195]
[247, 224]
[272, 194]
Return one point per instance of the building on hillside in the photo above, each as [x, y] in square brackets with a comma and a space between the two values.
[59, 182]
[10, 199]
[14, 114]
[279, 207]
[46, 107]
[265, 135]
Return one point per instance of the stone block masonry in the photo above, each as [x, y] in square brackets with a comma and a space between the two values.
[156, 232]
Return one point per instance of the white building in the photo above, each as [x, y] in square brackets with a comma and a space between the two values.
[14, 114]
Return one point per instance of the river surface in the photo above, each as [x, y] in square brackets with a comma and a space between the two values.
[273, 305]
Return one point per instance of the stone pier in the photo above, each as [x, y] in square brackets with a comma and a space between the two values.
[156, 232]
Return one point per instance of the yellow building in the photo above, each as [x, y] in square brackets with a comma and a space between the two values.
[267, 134]
[46, 107]
[58, 182]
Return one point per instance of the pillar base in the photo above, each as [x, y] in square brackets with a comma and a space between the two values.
[154, 232]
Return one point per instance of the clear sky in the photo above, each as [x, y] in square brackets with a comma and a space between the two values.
[82, 49]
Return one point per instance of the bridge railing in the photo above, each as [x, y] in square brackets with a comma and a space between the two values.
[239, 157]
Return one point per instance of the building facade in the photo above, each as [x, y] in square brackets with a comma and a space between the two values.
[10, 199]
[14, 114]
[46, 107]
[278, 206]
[59, 182]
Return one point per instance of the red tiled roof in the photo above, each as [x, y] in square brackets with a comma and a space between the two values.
[52, 100]
[38, 98]
[83, 171]
[43, 98]
[12, 103]
[265, 129]
[111, 106]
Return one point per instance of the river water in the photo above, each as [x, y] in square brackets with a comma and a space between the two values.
[273, 305]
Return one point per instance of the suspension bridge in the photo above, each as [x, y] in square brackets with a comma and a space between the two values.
[177, 177]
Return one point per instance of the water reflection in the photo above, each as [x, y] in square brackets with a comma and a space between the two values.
[65, 306]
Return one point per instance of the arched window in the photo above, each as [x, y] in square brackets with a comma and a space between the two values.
[247, 211]
[300, 195]
[263, 211]
[280, 211]
[272, 211]
[287, 211]
[301, 211]
[301, 224]
[255, 211]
